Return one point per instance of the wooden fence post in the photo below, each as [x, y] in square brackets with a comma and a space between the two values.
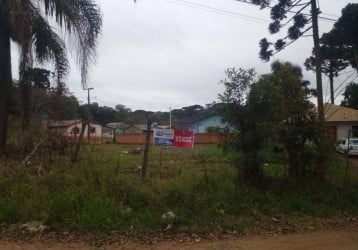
[146, 149]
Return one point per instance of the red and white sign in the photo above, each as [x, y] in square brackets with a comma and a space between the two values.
[183, 138]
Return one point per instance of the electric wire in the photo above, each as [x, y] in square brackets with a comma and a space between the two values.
[326, 92]
[341, 88]
[340, 92]
[217, 10]
[291, 11]
[341, 84]
[299, 11]
[291, 42]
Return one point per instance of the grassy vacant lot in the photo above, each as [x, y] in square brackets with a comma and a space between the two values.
[104, 192]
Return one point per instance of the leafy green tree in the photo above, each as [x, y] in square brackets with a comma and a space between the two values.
[242, 118]
[101, 114]
[35, 78]
[273, 110]
[351, 96]
[140, 116]
[294, 118]
[45, 101]
[123, 112]
[26, 24]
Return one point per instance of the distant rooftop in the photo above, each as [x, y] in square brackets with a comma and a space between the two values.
[335, 113]
[64, 123]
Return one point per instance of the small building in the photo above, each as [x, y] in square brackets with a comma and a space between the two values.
[206, 124]
[119, 127]
[342, 122]
[72, 128]
[142, 128]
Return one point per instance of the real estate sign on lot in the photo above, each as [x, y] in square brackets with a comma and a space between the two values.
[176, 138]
[163, 137]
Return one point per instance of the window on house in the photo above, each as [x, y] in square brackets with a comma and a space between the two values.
[93, 130]
[75, 130]
[354, 131]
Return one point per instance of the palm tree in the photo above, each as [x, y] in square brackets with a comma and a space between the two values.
[26, 22]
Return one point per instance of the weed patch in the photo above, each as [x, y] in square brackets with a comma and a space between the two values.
[104, 192]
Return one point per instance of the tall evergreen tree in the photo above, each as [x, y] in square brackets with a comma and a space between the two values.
[279, 12]
[345, 33]
[333, 60]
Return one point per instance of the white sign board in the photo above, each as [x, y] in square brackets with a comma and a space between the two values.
[163, 137]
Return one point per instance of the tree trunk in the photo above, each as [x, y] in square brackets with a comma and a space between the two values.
[26, 94]
[355, 56]
[79, 143]
[56, 105]
[331, 86]
[5, 80]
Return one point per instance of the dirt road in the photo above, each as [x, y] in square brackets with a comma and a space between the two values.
[332, 239]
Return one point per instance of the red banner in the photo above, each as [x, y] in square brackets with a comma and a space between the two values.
[183, 138]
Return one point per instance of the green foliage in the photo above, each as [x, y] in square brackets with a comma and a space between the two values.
[199, 185]
[271, 112]
[350, 96]
[346, 30]
[296, 127]
[242, 115]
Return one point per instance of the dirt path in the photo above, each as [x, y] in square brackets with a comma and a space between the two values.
[332, 239]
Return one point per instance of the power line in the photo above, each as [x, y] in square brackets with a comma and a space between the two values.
[347, 72]
[289, 20]
[216, 10]
[341, 91]
[291, 11]
[292, 41]
[341, 85]
[239, 15]
[326, 95]
[328, 14]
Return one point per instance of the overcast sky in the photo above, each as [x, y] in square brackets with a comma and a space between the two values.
[157, 54]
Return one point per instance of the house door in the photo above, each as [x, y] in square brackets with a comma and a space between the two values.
[332, 133]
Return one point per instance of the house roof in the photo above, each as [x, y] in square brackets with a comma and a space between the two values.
[335, 113]
[67, 123]
[140, 126]
[204, 117]
[143, 127]
[118, 125]
[64, 123]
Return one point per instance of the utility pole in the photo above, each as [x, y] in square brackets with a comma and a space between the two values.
[170, 117]
[317, 53]
[322, 163]
[89, 115]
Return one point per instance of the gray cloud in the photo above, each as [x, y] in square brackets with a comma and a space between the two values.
[157, 54]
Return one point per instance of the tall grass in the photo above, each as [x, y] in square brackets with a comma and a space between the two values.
[104, 192]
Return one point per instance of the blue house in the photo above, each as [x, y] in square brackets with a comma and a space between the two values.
[205, 124]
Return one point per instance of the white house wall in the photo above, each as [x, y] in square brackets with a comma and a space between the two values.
[98, 127]
[343, 131]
